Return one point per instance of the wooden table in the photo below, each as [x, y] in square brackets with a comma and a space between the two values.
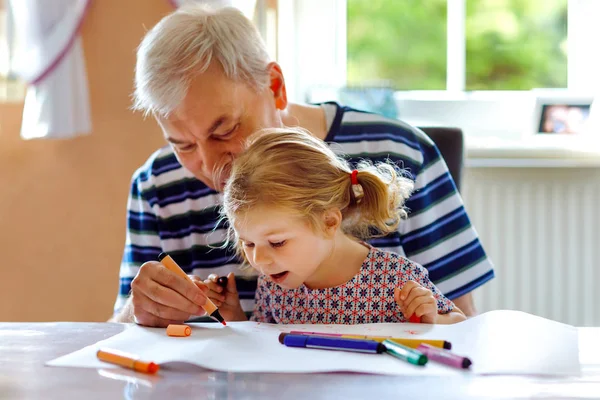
[25, 347]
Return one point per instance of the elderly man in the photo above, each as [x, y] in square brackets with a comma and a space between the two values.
[206, 77]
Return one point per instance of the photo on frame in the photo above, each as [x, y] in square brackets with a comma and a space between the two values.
[563, 118]
[561, 114]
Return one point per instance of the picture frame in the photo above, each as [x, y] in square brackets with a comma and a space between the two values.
[560, 113]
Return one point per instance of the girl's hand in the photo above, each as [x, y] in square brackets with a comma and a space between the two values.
[226, 297]
[415, 299]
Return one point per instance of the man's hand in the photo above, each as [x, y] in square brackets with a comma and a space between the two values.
[466, 304]
[160, 297]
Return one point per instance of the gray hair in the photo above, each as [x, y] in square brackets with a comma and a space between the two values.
[183, 45]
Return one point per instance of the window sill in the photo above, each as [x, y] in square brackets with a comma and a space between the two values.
[534, 152]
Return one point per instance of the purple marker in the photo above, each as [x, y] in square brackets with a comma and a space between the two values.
[444, 356]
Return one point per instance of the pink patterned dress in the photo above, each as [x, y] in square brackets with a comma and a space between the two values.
[366, 298]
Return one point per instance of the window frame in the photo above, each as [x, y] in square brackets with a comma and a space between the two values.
[580, 34]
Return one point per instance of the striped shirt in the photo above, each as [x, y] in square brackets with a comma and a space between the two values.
[170, 210]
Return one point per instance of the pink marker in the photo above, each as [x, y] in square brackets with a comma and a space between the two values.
[444, 356]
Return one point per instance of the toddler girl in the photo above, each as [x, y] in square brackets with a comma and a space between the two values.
[298, 214]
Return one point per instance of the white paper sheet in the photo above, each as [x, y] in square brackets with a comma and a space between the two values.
[497, 342]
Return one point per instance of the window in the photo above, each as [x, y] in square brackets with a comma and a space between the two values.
[265, 19]
[516, 45]
[458, 44]
[401, 43]
[11, 89]
[3, 44]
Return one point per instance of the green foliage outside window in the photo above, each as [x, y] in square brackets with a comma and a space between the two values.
[511, 44]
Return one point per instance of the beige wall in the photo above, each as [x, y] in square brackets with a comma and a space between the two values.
[62, 203]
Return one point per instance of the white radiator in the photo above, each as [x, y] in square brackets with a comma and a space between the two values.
[541, 227]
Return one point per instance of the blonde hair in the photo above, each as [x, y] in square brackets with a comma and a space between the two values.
[183, 45]
[289, 168]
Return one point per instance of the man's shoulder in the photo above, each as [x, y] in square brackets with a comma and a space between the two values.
[359, 134]
[356, 125]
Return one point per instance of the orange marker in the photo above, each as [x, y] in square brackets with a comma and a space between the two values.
[209, 306]
[179, 330]
[126, 360]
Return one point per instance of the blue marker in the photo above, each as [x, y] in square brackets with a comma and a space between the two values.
[332, 343]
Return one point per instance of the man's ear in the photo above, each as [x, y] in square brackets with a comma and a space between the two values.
[277, 85]
[332, 221]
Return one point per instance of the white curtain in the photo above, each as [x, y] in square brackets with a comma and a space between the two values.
[48, 56]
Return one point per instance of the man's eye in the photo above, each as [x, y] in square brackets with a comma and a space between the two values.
[278, 244]
[230, 132]
[186, 148]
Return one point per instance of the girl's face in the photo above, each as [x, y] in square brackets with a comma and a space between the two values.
[282, 246]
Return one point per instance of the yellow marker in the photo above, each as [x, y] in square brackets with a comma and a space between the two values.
[412, 343]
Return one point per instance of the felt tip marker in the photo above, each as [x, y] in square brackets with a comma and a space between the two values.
[444, 357]
[414, 319]
[209, 306]
[331, 343]
[126, 360]
[405, 353]
[408, 342]
[222, 281]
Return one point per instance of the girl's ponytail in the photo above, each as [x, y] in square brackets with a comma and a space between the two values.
[377, 193]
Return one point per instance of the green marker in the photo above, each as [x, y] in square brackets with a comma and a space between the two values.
[404, 353]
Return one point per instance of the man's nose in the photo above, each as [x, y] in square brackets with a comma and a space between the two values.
[216, 157]
[210, 156]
